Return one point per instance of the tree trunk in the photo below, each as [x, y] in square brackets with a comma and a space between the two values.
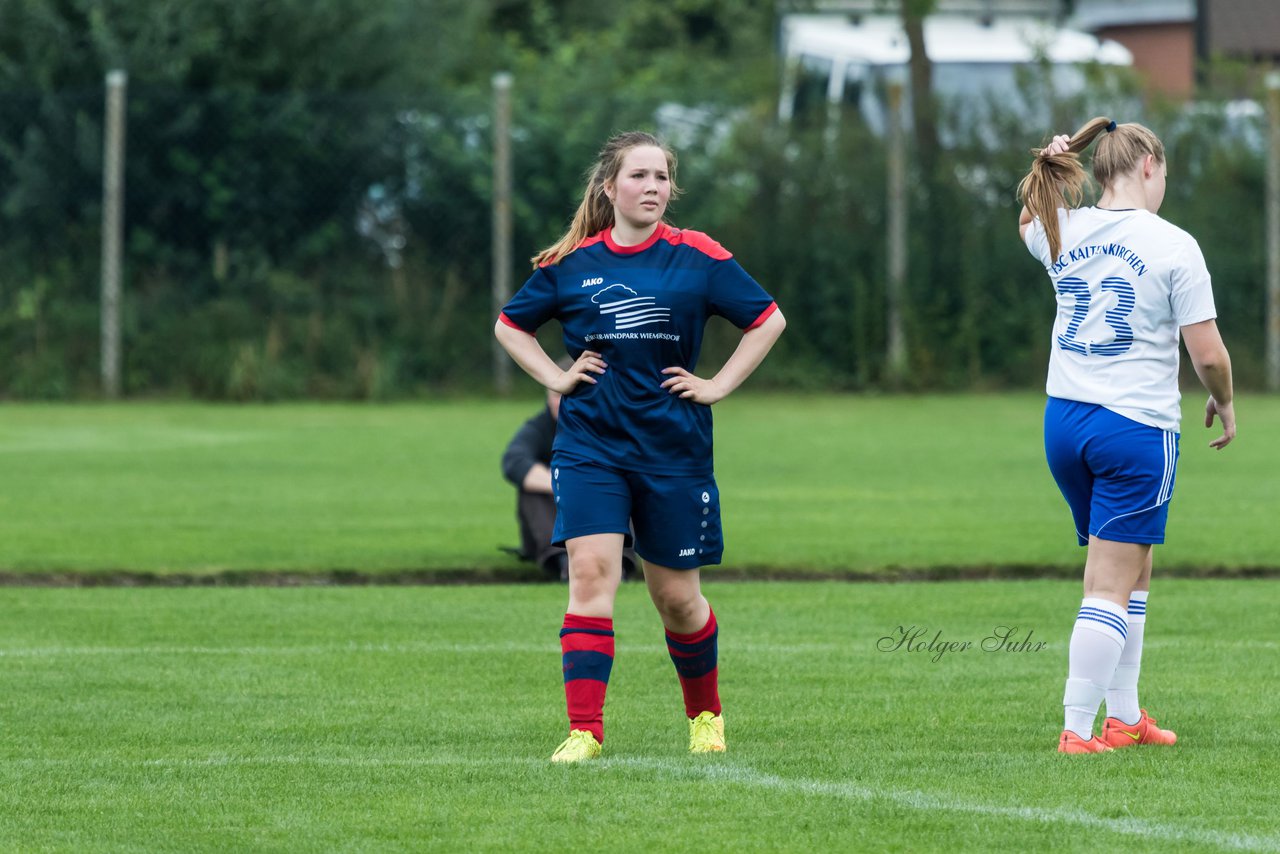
[923, 111]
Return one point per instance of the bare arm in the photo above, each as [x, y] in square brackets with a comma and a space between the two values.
[747, 356]
[1024, 222]
[1213, 366]
[538, 479]
[530, 356]
[524, 462]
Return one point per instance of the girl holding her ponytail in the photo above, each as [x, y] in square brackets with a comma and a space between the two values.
[1128, 284]
[633, 442]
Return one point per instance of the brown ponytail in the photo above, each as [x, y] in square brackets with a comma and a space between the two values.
[1058, 181]
[595, 213]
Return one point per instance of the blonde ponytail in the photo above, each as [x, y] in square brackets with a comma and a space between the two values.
[1057, 181]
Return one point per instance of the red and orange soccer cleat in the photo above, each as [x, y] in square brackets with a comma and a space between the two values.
[1117, 733]
[1072, 743]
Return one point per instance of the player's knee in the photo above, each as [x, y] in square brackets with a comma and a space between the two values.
[1109, 589]
[676, 603]
[590, 569]
[1115, 585]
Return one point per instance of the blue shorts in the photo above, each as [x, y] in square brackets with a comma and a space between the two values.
[676, 517]
[1116, 474]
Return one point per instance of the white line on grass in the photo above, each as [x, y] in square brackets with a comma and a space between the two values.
[420, 648]
[250, 651]
[731, 774]
[1200, 643]
[854, 647]
[917, 800]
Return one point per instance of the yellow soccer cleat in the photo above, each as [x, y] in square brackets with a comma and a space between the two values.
[578, 747]
[706, 733]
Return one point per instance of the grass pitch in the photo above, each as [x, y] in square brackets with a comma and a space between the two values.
[409, 719]
[818, 484]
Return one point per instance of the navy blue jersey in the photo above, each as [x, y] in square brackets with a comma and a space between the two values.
[643, 308]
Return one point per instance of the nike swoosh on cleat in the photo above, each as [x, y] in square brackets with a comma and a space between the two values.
[1132, 735]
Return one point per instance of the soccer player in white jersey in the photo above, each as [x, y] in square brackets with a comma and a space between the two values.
[1127, 284]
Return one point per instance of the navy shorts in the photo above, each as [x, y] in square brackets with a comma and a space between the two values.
[676, 517]
[1116, 474]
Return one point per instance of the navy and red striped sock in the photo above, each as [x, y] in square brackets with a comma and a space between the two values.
[587, 647]
[694, 656]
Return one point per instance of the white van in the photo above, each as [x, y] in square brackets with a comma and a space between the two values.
[830, 60]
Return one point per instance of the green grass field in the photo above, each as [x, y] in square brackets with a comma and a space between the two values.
[420, 718]
[388, 718]
[811, 485]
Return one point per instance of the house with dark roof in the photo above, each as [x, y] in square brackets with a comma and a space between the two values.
[1169, 38]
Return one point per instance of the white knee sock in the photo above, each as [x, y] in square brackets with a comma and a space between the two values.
[1122, 694]
[1096, 644]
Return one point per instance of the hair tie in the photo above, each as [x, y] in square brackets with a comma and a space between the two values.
[1111, 127]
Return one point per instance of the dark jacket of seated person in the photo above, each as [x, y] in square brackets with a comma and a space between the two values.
[526, 464]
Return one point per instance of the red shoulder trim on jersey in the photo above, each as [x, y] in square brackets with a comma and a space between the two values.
[593, 239]
[502, 318]
[590, 241]
[764, 315]
[698, 240]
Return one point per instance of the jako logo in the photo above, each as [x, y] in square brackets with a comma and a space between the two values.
[586, 283]
[629, 309]
[686, 553]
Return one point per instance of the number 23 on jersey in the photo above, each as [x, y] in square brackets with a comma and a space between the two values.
[1114, 317]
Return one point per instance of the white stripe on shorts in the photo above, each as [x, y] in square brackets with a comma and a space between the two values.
[1166, 483]
[1170, 463]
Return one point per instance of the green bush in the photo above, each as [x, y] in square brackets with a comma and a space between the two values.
[315, 221]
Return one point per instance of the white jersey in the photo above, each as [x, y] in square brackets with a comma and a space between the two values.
[1126, 282]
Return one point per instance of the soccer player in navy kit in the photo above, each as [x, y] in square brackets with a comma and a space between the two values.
[633, 295]
[1128, 283]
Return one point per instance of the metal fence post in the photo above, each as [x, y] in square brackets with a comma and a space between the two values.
[896, 349]
[501, 219]
[112, 230]
[1273, 231]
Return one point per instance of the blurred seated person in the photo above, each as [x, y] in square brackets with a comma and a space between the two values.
[526, 464]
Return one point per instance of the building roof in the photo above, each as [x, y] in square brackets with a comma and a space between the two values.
[879, 40]
[978, 8]
[1093, 15]
[1234, 27]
